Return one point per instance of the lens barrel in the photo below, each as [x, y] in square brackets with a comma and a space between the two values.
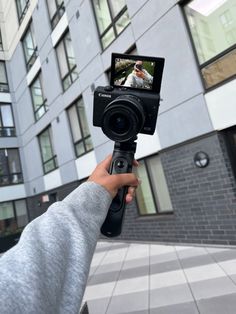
[123, 118]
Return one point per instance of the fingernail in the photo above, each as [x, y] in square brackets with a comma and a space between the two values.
[139, 181]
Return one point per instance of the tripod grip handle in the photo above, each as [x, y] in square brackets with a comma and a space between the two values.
[121, 163]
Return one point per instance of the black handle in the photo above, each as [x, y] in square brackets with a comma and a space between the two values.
[122, 161]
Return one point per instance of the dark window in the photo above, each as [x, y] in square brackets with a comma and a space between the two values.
[66, 60]
[213, 28]
[38, 99]
[79, 128]
[152, 195]
[231, 146]
[13, 217]
[10, 167]
[4, 88]
[49, 159]
[30, 47]
[112, 18]
[22, 7]
[1, 45]
[7, 127]
[56, 9]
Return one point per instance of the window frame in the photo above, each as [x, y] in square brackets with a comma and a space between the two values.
[9, 175]
[217, 57]
[22, 15]
[34, 55]
[53, 158]
[154, 199]
[1, 43]
[112, 25]
[44, 104]
[231, 146]
[56, 13]
[83, 138]
[12, 129]
[15, 214]
[7, 89]
[70, 72]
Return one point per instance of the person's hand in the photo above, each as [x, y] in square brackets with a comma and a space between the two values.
[140, 74]
[115, 181]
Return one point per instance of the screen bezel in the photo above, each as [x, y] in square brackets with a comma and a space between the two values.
[158, 71]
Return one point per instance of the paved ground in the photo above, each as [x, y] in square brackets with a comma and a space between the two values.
[153, 278]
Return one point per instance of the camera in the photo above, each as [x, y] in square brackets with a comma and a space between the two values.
[128, 106]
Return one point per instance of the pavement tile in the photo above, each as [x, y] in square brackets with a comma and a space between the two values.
[212, 288]
[170, 296]
[187, 252]
[196, 261]
[203, 272]
[134, 272]
[225, 304]
[129, 303]
[164, 267]
[98, 306]
[99, 291]
[229, 266]
[224, 255]
[183, 308]
[172, 278]
[131, 285]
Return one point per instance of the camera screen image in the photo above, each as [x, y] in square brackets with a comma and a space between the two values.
[137, 72]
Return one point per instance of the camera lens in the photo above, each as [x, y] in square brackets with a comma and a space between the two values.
[123, 118]
[119, 123]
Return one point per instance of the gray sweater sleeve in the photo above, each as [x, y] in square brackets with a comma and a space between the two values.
[46, 272]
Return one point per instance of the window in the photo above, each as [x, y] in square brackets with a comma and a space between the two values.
[10, 168]
[112, 18]
[1, 45]
[213, 28]
[38, 99]
[79, 128]
[29, 46]
[66, 59]
[13, 217]
[49, 159]
[56, 9]
[7, 127]
[4, 88]
[152, 195]
[230, 137]
[22, 7]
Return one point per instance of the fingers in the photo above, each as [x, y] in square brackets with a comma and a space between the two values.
[125, 179]
[130, 195]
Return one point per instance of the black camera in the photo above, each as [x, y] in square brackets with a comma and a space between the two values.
[128, 106]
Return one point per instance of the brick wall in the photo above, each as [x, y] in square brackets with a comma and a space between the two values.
[203, 199]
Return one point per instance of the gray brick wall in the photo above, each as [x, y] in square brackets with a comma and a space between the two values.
[203, 199]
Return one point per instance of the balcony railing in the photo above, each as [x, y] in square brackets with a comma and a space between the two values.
[14, 178]
[7, 132]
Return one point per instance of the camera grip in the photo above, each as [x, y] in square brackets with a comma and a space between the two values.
[122, 161]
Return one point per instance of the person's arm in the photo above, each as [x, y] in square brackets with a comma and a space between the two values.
[46, 272]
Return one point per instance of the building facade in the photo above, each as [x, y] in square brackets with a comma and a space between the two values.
[55, 53]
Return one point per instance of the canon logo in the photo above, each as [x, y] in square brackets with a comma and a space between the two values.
[104, 95]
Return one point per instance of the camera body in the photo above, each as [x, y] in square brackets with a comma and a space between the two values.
[138, 110]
